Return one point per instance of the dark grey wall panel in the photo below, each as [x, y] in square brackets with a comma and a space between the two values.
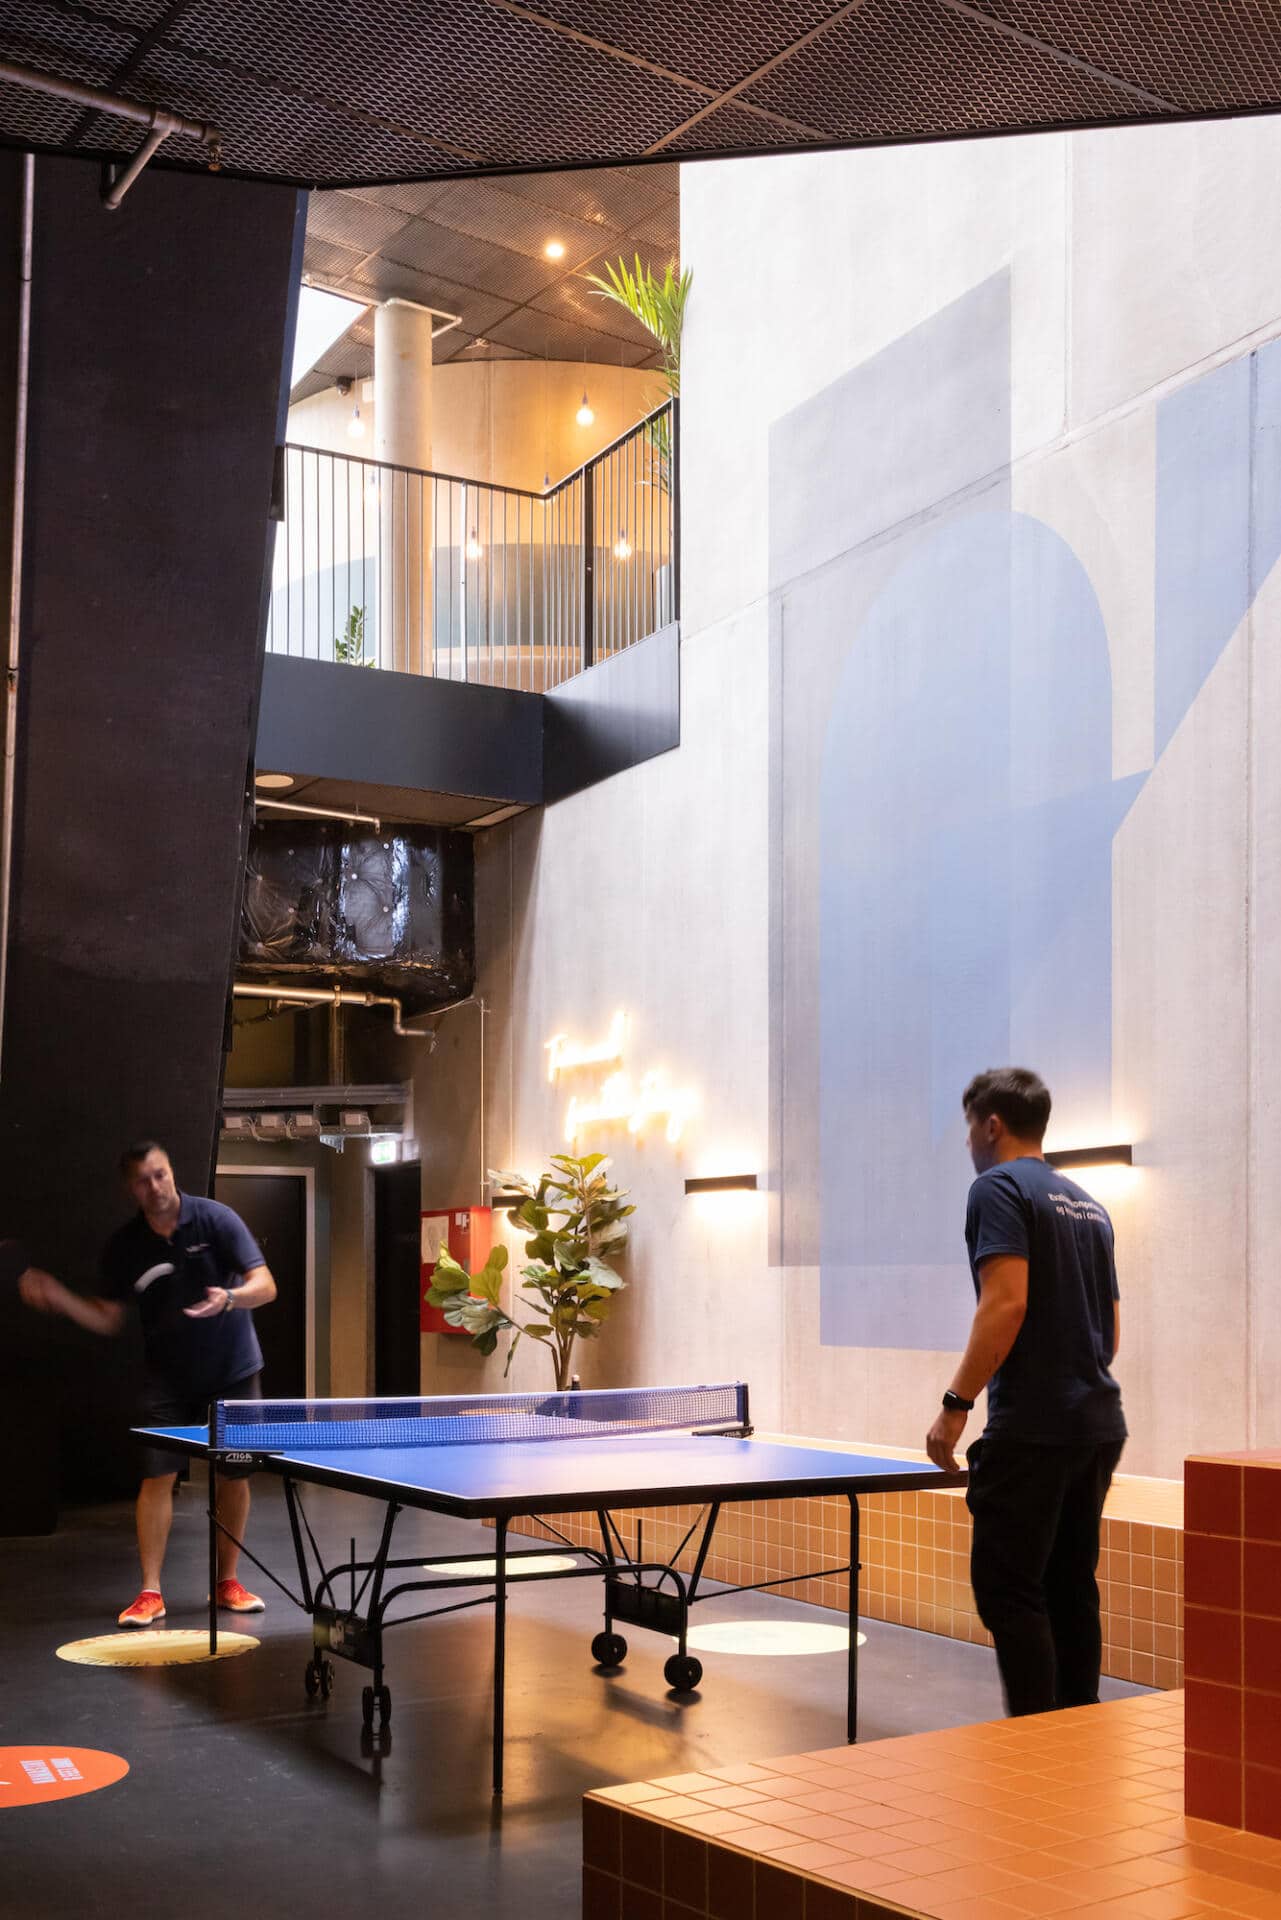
[400, 730]
[161, 336]
[622, 712]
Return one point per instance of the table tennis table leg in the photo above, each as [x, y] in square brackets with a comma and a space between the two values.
[851, 1694]
[500, 1645]
[213, 1556]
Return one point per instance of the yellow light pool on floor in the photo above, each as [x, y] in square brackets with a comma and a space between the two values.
[771, 1638]
[153, 1647]
[516, 1569]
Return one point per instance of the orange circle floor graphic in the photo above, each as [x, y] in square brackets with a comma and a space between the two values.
[154, 1648]
[31, 1775]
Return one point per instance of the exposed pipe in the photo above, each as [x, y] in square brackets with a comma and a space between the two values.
[331, 997]
[472, 1000]
[159, 122]
[20, 412]
[318, 813]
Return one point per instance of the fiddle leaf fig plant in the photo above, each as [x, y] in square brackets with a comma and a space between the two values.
[577, 1223]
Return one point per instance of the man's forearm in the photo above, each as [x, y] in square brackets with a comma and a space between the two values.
[86, 1310]
[257, 1289]
[993, 1333]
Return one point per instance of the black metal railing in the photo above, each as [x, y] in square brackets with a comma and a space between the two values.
[386, 566]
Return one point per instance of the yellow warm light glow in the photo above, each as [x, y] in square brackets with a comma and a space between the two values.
[555, 249]
[622, 1099]
[484, 1570]
[1105, 1184]
[563, 1055]
[474, 549]
[585, 414]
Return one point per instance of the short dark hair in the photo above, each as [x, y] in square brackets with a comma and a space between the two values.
[138, 1151]
[1016, 1095]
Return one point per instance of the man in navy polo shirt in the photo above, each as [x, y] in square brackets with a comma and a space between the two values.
[196, 1274]
[1045, 1334]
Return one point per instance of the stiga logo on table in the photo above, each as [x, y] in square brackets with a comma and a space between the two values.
[31, 1775]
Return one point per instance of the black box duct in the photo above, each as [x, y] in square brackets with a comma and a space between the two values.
[390, 912]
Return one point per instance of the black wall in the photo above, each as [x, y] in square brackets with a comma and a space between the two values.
[161, 338]
[406, 730]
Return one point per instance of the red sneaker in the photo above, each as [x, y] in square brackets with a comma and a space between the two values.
[238, 1599]
[145, 1611]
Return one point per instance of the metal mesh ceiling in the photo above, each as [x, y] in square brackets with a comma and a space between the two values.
[330, 93]
[478, 249]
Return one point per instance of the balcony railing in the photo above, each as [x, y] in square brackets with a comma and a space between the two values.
[426, 573]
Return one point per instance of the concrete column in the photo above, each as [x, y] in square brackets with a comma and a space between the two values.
[402, 437]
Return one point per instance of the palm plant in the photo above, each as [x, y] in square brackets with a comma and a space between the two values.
[659, 305]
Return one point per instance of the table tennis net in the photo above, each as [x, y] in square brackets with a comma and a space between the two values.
[449, 1421]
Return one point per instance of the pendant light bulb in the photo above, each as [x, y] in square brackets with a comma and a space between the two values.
[622, 546]
[474, 550]
[585, 416]
[356, 426]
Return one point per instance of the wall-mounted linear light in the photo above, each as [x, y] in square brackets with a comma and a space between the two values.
[723, 1183]
[1115, 1156]
[510, 1201]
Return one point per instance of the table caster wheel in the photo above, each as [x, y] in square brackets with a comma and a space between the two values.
[311, 1679]
[683, 1672]
[609, 1649]
[326, 1678]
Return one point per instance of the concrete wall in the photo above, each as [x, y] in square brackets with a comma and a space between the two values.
[978, 596]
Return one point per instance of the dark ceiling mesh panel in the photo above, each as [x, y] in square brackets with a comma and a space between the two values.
[328, 262]
[733, 129]
[350, 220]
[476, 263]
[29, 120]
[325, 92]
[718, 42]
[1206, 54]
[270, 129]
[911, 67]
[574, 302]
[615, 198]
[485, 212]
[143, 14]
[72, 44]
[542, 334]
[490, 84]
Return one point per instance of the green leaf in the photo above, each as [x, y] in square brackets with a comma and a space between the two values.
[511, 1182]
[448, 1276]
[487, 1341]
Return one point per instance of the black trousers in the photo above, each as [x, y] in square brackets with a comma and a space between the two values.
[1036, 1546]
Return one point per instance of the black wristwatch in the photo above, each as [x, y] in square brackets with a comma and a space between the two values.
[953, 1403]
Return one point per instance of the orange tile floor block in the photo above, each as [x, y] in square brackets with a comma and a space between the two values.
[1233, 1639]
[1077, 1813]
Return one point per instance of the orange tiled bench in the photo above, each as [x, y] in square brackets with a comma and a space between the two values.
[1234, 1639]
[1079, 1814]
[915, 1561]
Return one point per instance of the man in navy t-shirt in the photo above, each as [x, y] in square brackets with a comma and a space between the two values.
[196, 1274]
[1045, 1333]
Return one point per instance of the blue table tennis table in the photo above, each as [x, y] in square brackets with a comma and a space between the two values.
[500, 1457]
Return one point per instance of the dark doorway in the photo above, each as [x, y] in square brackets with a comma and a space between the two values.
[397, 1204]
[274, 1208]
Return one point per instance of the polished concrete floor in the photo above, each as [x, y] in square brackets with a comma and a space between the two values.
[243, 1797]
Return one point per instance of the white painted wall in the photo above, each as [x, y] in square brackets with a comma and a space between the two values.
[1137, 260]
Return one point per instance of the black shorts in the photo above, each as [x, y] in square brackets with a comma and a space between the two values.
[163, 1406]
